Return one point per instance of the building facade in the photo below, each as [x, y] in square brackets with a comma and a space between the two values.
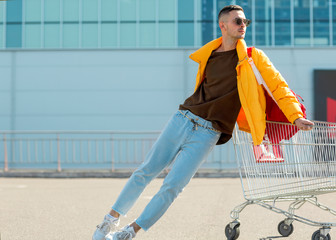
[73, 24]
[122, 65]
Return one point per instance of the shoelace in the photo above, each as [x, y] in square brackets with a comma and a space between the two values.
[124, 235]
[103, 225]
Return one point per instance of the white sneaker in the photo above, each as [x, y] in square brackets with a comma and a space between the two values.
[108, 225]
[127, 233]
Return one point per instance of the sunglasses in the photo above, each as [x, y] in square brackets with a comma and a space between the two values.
[239, 21]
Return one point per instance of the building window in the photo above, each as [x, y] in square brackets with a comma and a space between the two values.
[70, 35]
[52, 35]
[262, 23]
[2, 25]
[282, 24]
[302, 24]
[167, 25]
[70, 32]
[109, 23]
[160, 23]
[186, 23]
[321, 23]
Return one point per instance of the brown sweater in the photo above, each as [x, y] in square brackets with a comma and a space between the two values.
[216, 99]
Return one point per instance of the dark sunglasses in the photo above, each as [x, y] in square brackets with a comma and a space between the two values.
[239, 21]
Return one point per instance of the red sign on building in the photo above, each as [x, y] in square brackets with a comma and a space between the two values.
[325, 95]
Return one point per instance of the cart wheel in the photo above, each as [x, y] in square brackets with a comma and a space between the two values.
[318, 236]
[232, 233]
[284, 229]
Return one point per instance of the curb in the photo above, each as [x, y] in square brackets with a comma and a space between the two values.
[107, 174]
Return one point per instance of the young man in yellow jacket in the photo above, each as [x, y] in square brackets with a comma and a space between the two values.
[226, 92]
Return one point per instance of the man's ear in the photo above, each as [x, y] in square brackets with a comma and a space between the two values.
[222, 25]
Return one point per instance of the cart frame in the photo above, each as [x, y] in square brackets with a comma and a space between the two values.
[290, 165]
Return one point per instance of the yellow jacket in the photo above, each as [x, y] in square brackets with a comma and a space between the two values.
[252, 116]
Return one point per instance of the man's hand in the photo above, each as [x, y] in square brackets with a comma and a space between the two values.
[303, 124]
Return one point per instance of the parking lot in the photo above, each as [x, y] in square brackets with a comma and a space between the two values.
[55, 209]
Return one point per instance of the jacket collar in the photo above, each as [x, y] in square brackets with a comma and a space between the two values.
[241, 50]
[204, 52]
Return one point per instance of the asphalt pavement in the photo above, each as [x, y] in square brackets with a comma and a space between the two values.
[69, 209]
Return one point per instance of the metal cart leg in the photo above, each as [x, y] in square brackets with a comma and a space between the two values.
[232, 229]
[235, 212]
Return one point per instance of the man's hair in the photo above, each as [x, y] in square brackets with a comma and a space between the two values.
[225, 10]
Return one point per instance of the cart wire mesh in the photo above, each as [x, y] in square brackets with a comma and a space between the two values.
[290, 163]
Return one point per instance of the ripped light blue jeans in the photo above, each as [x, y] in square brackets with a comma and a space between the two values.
[187, 139]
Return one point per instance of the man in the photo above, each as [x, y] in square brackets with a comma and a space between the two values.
[226, 92]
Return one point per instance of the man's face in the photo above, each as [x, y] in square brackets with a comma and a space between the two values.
[234, 24]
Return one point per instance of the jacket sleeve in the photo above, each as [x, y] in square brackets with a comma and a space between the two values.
[286, 100]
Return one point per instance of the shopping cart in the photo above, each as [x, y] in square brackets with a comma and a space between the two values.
[289, 165]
